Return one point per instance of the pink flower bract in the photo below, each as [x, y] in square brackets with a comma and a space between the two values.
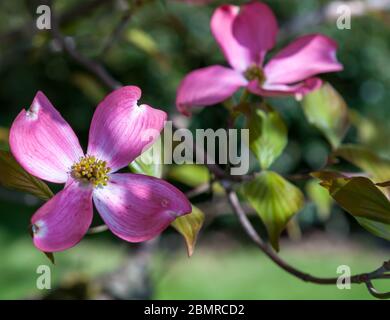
[245, 35]
[134, 207]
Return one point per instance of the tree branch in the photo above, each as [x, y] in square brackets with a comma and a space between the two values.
[267, 250]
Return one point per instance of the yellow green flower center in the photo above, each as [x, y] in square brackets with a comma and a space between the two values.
[91, 170]
[255, 72]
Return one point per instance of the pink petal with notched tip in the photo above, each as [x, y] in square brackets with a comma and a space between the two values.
[221, 24]
[208, 86]
[137, 208]
[63, 221]
[43, 142]
[306, 57]
[256, 28]
[121, 130]
[275, 90]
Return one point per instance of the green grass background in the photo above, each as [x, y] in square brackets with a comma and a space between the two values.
[219, 269]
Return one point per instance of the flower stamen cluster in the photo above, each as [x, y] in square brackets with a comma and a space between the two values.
[91, 170]
[255, 72]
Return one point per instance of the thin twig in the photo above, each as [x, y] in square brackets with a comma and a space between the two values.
[97, 229]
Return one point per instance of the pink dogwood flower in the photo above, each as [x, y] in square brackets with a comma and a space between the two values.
[245, 35]
[134, 207]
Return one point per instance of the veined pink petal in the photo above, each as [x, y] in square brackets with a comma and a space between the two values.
[137, 207]
[256, 28]
[43, 142]
[305, 57]
[237, 55]
[63, 221]
[274, 90]
[208, 86]
[121, 130]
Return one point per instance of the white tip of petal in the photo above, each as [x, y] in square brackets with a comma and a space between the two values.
[32, 113]
[39, 229]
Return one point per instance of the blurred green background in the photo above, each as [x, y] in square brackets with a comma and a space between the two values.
[163, 41]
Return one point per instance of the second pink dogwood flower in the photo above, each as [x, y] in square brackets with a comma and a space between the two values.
[245, 35]
[134, 207]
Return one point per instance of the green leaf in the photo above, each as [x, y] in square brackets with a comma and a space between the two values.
[192, 175]
[149, 162]
[275, 200]
[13, 176]
[379, 229]
[377, 167]
[326, 110]
[189, 226]
[267, 135]
[360, 197]
[320, 197]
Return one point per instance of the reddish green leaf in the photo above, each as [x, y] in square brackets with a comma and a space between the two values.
[361, 198]
[189, 226]
[13, 176]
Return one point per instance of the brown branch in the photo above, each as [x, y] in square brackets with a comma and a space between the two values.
[376, 293]
[267, 250]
